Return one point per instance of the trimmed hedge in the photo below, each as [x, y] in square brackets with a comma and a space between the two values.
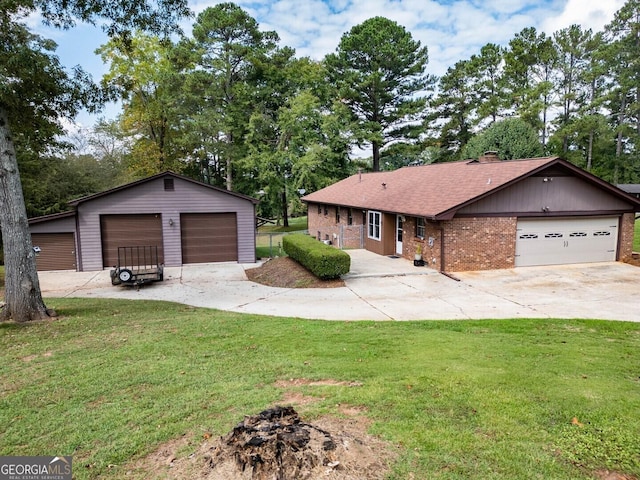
[324, 261]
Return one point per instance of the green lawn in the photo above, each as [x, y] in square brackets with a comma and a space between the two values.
[269, 238]
[295, 224]
[636, 237]
[113, 379]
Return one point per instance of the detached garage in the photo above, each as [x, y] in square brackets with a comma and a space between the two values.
[188, 222]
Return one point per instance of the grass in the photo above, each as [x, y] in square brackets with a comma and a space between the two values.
[295, 224]
[113, 379]
[269, 238]
[636, 236]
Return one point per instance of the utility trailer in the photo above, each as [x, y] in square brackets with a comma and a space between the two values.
[137, 266]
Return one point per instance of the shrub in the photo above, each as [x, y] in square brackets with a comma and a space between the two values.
[324, 261]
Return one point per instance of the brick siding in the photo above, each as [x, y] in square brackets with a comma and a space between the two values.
[626, 237]
[323, 225]
[483, 243]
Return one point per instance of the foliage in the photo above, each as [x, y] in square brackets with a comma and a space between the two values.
[35, 93]
[463, 399]
[145, 73]
[324, 261]
[228, 47]
[380, 73]
[512, 138]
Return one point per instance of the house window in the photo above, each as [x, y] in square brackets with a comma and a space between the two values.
[326, 210]
[337, 214]
[420, 228]
[374, 225]
[319, 210]
[168, 184]
[350, 216]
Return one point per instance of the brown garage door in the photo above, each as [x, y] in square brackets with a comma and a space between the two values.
[129, 231]
[57, 251]
[209, 237]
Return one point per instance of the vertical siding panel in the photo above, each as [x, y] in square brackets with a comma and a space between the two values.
[150, 197]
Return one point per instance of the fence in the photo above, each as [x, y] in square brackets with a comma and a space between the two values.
[270, 244]
[342, 236]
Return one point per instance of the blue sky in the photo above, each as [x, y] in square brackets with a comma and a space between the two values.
[452, 30]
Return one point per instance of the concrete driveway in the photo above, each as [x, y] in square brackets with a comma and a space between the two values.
[383, 288]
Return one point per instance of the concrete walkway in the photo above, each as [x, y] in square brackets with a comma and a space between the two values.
[384, 288]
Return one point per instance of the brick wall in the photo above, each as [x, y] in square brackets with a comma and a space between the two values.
[484, 243]
[480, 243]
[323, 225]
[626, 237]
[429, 245]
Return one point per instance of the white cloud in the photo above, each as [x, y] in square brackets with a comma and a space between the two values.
[594, 14]
[452, 30]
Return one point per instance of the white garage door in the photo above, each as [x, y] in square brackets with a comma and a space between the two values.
[566, 240]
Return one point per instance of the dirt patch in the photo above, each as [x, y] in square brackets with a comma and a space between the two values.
[608, 475]
[634, 260]
[328, 382]
[287, 273]
[275, 444]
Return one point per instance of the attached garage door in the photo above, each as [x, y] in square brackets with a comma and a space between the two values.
[129, 231]
[566, 240]
[57, 251]
[209, 237]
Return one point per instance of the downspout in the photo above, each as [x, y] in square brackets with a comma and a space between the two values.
[442, 257]
[441, 229]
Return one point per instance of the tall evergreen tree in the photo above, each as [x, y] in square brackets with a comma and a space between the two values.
[456, 106]
[622, 54]
[380, 73]
[228, 44]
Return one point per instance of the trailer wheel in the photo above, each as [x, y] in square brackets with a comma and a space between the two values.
[125, 275]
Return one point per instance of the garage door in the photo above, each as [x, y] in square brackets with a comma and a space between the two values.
[57, 251]
[209, 237]
[566, 240]
[129, 231]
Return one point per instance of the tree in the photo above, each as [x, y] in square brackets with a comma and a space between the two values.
[34, 93]
[571, 44]
[146, 73]
[380, 73]
[622, 54]
[456, 106]
[487, 72]
[529, 66]
[228, 44]
[294, 138]
[512, 138]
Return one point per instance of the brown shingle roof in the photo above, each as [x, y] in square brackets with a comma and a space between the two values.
[432, 191]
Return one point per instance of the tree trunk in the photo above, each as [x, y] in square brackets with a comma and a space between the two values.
[590, 151]
[376, 156]
[285, 209]
[22, 288]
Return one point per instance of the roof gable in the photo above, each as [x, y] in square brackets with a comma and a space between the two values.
[438, 191]
[167, 174]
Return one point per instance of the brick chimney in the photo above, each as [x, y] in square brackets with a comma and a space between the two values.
[489, 157]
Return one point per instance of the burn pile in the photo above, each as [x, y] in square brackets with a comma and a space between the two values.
[277, 445]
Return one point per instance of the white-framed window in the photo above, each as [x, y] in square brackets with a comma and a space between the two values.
[374, 224]
[421, 228]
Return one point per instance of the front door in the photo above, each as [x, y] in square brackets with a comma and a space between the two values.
[399, 234]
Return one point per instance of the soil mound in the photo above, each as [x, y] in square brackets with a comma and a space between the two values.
[277, 445]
